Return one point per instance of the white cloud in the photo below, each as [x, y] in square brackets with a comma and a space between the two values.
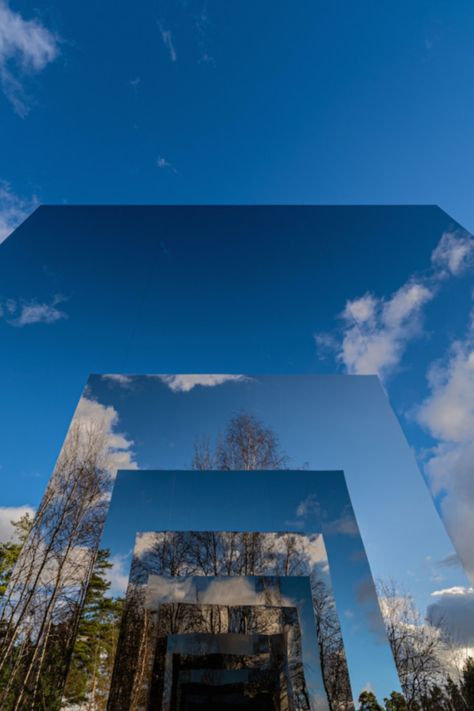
[448, 412]
[145, 542]
[26, 46]
[376, 330]
[13, 209]
[34, 312]
[167, 38]
[26, 313]
[456, 591]
[454, 253]
[117, 575]
[185, 383]
[9, 514]
[448, 415]
[118, 449]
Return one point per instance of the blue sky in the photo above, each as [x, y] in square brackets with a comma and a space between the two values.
[191, 102]
[276, 290]
[205, 102]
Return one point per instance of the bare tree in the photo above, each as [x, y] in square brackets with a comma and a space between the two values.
[246, 444]
[42, 604]
[419, 649]
[331, 648]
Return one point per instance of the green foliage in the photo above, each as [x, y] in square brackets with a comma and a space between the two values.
[10, 551]
[368, 702]
[449, 697]
[467, 683]
[92, 659]
[396, 702]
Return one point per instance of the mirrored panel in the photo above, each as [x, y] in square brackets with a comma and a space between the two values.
[222, 429]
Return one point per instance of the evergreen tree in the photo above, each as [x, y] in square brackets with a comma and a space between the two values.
[396, 702]
[10, 550]
[467, 683]
[93, 654]
[368, 702]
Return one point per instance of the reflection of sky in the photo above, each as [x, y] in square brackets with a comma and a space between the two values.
[264, 501]
[328, 422]
[196, 290]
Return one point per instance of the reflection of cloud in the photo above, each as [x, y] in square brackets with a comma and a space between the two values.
[26, 47]
[376, 330]
[454, 253]
[450, 561]
[228, 590]
[117, 575]
[453, 612]
[117, 449]
[160, 589]
[144, 543]
[367, 599]
[185, 383]
[225, 591]
[9, 514]
[344, 526]
[125, 381]
[448, 414]
[13, 209]
[308, 506]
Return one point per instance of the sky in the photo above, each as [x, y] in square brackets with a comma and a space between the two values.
[198, 102]
[193, 101]
[241, 290]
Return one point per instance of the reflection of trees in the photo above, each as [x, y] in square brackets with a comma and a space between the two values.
[221, 553]
[41, 606]
[232, 553]
[246, 444]
[142, 673]
[331, 648]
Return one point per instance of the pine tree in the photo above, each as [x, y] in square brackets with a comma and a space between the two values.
[92, 658]
[10, 550]
[396, 702]
[368, 702]
[467, 683]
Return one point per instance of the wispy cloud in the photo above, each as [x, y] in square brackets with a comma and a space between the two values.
[375, 330]
[26, 47]
[13, 208]
[26, 313]
[167, 39]
[185, 383]
[124, 381]
[165, 164]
